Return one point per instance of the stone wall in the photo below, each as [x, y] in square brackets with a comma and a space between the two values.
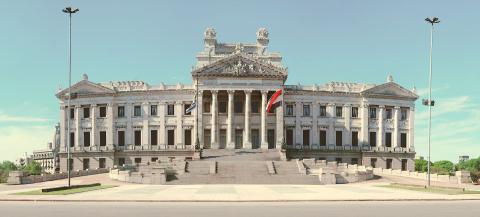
[19, 177]
[332, 172]
[459, 178]
[150, 173]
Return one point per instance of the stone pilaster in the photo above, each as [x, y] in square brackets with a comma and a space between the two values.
[230, 130]
[78, 137]
[179, 128]
[145, 124]
[214, 129]
[111, 132]
[381, 127]
[298, 120]
[364, 123]
[129, 130]
[331, 124]
[246, 137]
[263, 123]
[162, 140]
[396, 126]
[315, 132]
[63, 128]
[411, 126]
[347, 116]
[93, 132]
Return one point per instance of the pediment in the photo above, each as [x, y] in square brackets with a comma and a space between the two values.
[86, 87]
[390, 90]
[241, 65]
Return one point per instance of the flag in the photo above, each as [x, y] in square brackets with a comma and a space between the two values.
[192, 106]
[275, 100]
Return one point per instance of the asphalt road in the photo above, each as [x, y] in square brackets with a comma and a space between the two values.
[243, 209]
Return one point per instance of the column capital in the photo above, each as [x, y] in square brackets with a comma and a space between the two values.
[77, 106]
[145, 103]
[396, 107]
[178, 102]
[248, 92]
[347, 105]
[381, 106]
[230, 92]
[93, 105]
[331, 104]
[264, 92]
[214, 92]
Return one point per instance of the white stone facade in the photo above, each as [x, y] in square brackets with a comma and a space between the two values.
[135, 122]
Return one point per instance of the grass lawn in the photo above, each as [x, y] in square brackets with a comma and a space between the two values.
[65, 192]
[432, 189]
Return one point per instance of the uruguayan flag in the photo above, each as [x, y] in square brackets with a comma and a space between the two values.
[192, 106]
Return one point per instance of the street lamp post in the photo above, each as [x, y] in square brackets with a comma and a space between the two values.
[429, 102]
[69, 11]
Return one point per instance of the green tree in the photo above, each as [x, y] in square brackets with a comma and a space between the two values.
[5, 168]
[443, 167]
[420, 165]
[33, 168]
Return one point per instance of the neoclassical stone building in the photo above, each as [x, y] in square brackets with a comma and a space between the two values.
[115, 123]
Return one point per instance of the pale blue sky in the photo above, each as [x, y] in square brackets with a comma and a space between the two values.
[321, 41]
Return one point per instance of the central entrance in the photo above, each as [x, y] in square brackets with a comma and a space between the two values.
[238, 139]
[271, 138]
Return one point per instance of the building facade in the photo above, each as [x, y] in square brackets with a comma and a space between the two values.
[115, 123]
[48, 158]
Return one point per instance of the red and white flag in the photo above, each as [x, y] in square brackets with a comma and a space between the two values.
[275, 100]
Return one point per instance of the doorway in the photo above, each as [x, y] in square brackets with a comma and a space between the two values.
[271, 138]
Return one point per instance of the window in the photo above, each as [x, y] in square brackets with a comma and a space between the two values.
[289, 136]
[403, 140]
[72, 113]
[389, 113]
[289, 110]
[138, 137]
[121, 138]
[354, 112]
[121, 111]
[323, 137]
[103, 111]
[338, 160]
[138, 160]
[154, 159]
[206, 107]
[354, 161]
[71, 163]
[338, 138]
[323, 111]
[238, 107]
[170, 109]
[137, 111]
[121, 161]
[306, 137]
[373, 113]
[354, 138]
[153, 110]
[306, 110]
[171, 137]
[185, 107]
[338, 111]
[102, 163]
[373, 139]
[86, 163]
[188, 137]
[153, 137]
[86, 139]
[103, 138]
[373, 162]
[86, 112]
[222, 107]
[404, 113]
[388, 139]
[389, 163]
[72, 139]
[404, 164]
[255, 107]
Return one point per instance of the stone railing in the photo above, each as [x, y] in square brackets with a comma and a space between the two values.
[350, 148]
[459, 178]
[19, 177]
[336, 173]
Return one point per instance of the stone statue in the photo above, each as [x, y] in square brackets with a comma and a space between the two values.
[262, 33]
[210, 33]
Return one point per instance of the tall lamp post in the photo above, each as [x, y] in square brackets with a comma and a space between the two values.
[69, 11]
[430, 102]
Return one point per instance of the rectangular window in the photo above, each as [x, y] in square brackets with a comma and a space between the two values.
[154, 159]
[373, 139]
[86, 112]
[354, 138]
[171, 137]
[404, 164]
[153, 137]
[403, 140]
[86, 163]
[103, 111]
[323, 111]
[102, 163]
[373, 162]
[138, 160]
[72, 139]
[170, 109]
[185, 107]
[306, 137]
[255, 107]
[389, 113]
[121, 161]
[338, 138]
[72, 113]
[86, 139]
[206, 107]
[354, 161]
[306, 110]
[323, 137]
[404, 113]
[121, 111]
[389, 163]
[238, 107]
[103, 138]
[388, 139]
[222, 107]
[354, 112]
[373, 113]
[188, 137]
[289, 110]
[137, 111]
[121, 138]
[153, 110]
[338, 111]
[138, 137]
[289, 137]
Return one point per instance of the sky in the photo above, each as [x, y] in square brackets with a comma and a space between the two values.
[320, 41]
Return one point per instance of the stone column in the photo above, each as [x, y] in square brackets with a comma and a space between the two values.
[145, 124]
[263, 126]
[315, 132]
[179, 129]
[381, 131]
[347, 116]
[279, 126]
[199, 118]
[411, 126]
[396, 130]
[162, 140]
[331, 124]
[111, 132]
[364, 123]
[246, 138]
[230, 130]
[78, 138]
[129, 130]
[63, 128]
[93, 132]
[214, 129]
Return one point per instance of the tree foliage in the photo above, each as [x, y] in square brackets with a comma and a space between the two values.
[5, 168]
[443, 167]
[33, 168]
[420, 165]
